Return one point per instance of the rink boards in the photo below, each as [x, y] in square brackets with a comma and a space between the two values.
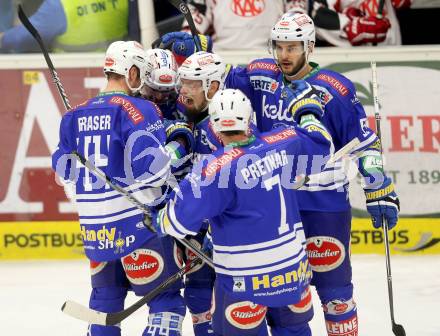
[62, 240]
[38, 221]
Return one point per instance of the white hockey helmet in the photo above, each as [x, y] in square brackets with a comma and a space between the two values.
[161, 71]
[294, 26]
[230, 110]
[121, 56]
[204, 66]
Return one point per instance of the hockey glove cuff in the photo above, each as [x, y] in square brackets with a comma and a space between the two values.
[183, 45]
[383, 203]
[301, 99]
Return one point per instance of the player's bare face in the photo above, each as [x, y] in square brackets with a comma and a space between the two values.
[290, 56]
[192, 95]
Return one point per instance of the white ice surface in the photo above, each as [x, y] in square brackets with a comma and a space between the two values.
[31, 294]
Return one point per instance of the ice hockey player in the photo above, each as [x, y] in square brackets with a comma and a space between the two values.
[245, 190]
[160, 79]
[263, 81]
[196, 85]
[292, 42]
[199, 78]
[124, 136]
[159, 86]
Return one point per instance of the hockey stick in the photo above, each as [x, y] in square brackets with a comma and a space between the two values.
[398, 329]
[91, 316]
[183, 8]
[31, 29]
[101, 175]
[98, 172]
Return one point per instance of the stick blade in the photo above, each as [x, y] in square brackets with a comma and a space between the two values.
[83, 313]
[398, 330]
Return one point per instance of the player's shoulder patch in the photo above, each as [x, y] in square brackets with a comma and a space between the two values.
[216, 164]
[260, 65]
[279, 136]
[338, 82]
[133, 112]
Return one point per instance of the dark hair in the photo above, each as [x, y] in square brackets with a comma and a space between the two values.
[113, 76]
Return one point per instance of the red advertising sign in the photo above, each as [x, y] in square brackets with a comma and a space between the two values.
[31, 111]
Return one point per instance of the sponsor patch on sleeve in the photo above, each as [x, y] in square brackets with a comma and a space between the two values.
[263, 66]
[337, 85]
[214, 166]
[287, 133]
[134, 114]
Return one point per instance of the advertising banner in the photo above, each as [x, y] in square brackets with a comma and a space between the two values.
[36, 216]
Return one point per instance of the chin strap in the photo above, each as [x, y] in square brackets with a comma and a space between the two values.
[136, 90]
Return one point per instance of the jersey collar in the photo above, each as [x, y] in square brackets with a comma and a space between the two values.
[315, 69]
[108, 93]
[243, 143]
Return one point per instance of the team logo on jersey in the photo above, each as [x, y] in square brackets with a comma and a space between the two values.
[190, 256]
[248, 8]
[245, 315]
[333, 82]
[324, 95]
[239, 284]
[347, 327]
[96, 266]
[304, 304]
[338, 307]
[143, 266]
[263, 83]
[325, 253]
[263, 66]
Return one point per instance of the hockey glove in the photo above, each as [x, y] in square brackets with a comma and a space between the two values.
[301, 99]
[361, 30]
[383, 203]
[153, 222]
[182, 44]
[177, 130]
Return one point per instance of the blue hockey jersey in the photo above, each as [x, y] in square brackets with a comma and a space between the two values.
[243, 189]
[344, 117]
[124, 137]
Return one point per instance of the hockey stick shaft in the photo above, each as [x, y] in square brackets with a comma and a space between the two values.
[86, 314]
[97, 172]
[398, 329]
[183, 8]
[101, 175]
[56, 79]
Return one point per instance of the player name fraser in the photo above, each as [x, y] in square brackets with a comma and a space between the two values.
[302, 273]
[94, 123]
[264, 166]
